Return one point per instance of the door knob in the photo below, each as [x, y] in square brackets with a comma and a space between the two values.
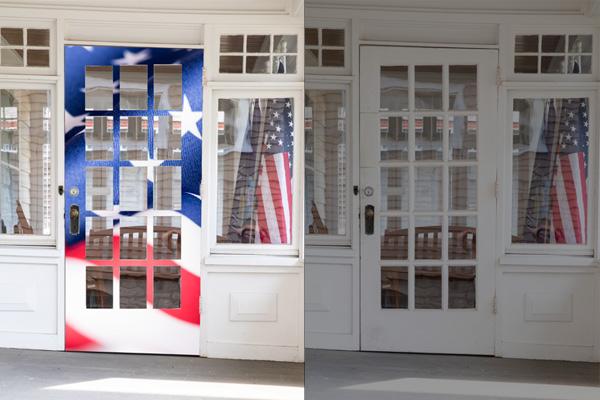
[74, 220]
[369, 219]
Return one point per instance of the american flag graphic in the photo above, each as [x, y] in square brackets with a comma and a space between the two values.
[274, 191]
[570, 172]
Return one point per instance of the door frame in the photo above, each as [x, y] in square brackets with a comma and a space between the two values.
[497, 131]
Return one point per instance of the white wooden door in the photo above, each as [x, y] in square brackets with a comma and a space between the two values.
[428, 168]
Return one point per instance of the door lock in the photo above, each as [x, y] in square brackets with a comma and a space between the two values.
[369, 219]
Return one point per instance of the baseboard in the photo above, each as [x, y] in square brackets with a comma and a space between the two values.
[542, 351]
[31, 341]
[254, 352]
[331, 341]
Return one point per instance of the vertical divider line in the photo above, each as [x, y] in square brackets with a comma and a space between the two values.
[411, 187]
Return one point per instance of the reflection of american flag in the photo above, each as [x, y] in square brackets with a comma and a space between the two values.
[569, 186]
[274, 191]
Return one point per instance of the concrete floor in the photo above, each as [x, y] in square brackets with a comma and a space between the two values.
[339, 375]
[28, 375]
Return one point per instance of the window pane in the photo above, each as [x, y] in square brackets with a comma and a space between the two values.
[98, 87]
[461, 287]
[284, 64]
[38, 37]
[428, 87]
[428, 287]
[132, 188]
[167, 138]
[429, 144]
[311, 36]
[231, 64]
[285, 44]
[258, 44]
[167, 87]
[98, 238]
[526, 64]
[580, 43]
[167, 188]
[428, 238]
[580, 65]
[394, 287]
[553, 64]
[99, 138]
[99, 287]
[463, 137]
[429, 192]
[326, 162]
[167, 238]
[98, 188]
[134, 87]
[25, 162]
[553, 43]
[257, 65]
[462, 193]
[550, 170]
[394, 188]
[134, 138]
[311, 57]
[333, 37]
[255, 170]
[38, 58]
[394, 238]
[462, 237]
[167, 287]
[526, 44]
[394, 138]
[333, 58]
[11, 37]
[132, 233]
[394, 88]
[463, 87]
[11, 57]
[132, 287]
[232, 44]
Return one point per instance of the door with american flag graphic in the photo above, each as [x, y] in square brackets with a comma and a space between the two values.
[133, 171]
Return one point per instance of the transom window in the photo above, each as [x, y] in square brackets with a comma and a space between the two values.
[20, 47]
[553, 54]
[258, 54]
[324, 47]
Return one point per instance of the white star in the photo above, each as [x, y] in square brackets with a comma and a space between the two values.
[269, 146]
[88, 48]
[278, 128]
[569, 136]
[575, 142]
[571, 115]
[273, 136]
[275, 114]
[289, 115]
[583, 104]
[280, 143]
[130, 58]
[563, 145]
[189, 119]
[73, 121]
[288, 104]
[573, 129]
[584, 115]
[585, 124]
[292, 133]
[291, 123]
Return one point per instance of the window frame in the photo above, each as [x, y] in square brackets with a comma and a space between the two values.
[517, 91]
[210, 181]
[21, 240]
[52, 47]
[329, 239]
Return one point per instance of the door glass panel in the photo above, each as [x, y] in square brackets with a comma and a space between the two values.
[428, 238]
[133, 188]
[167, 87]
[394, 138]
[98, 238]
[394, 238]
[463, 87]
[167, 287]
[428, 287]
[167, 188]
[462, 237]
[99, 287]
[132, 233]
[429, 191]
[167, 238]
[98, 87]
[134, 138]
[99, 188]
[429, 138]
[461, 287]
[132, 287]
[99, 138]
[428, 87]
[134, 87]
[326, 160]
[463, 188]
[394, 88]
[394, 287]
[167, 138]
[462, 137]
[394, 188]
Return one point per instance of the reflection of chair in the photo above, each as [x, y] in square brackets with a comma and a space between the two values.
[462, 243]
[394, 288]
[167, 242]
[22, 227]
[317, 227]
[99, 244]
[133, 242]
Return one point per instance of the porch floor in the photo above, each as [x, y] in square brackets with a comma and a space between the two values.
[337, 375]
[47, 375]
